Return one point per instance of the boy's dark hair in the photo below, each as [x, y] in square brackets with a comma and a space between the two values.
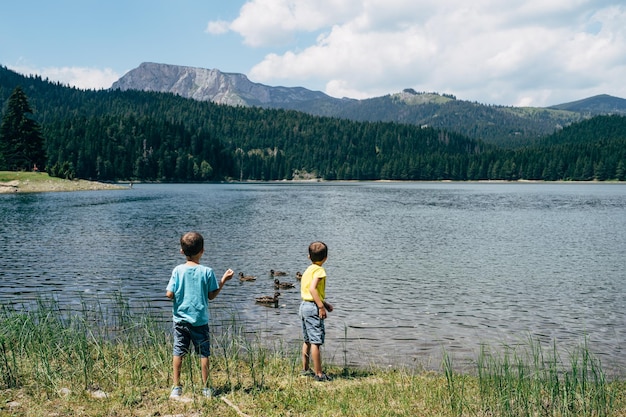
[191, 243]
[318, 251]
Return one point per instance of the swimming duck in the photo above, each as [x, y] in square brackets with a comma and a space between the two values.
[277, 273]
[268, 300]
[298, 275]
[243, 277]
[284, 285]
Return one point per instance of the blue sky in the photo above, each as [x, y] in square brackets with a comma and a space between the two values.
[508, 52]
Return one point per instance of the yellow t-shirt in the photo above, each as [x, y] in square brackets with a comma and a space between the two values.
[313, 271]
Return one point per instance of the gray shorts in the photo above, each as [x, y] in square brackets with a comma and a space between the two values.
[312, 325]
[184, 334]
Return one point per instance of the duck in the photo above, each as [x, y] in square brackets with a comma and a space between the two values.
[298, 275]
[277, 273]
[243, 277]
[284, 285]
[269, 300]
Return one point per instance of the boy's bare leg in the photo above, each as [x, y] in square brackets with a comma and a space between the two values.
[177, 363]
[204, 363]
[306, 349]
[316, 357]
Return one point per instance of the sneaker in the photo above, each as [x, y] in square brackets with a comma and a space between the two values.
[176, 392]
[322, 378]
[206, 392]
[307, 373]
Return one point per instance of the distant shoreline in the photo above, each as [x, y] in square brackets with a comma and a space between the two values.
[40, 182]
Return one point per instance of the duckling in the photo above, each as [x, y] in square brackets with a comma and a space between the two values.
[277, 273]
[284, 285]
[268, 300]
[243, 277]
[298, 275]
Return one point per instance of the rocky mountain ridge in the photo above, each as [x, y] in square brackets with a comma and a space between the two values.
[211, 85]
[504, 125]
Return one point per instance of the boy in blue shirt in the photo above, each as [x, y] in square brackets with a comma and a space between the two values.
[191, 286]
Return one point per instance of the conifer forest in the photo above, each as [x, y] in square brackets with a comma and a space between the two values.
[111, 135]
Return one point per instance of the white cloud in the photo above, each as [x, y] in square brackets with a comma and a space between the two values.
[271, 22]
[79, 77]
[218, 27]
[533, 52]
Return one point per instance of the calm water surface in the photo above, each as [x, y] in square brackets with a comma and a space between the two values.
[413, 268]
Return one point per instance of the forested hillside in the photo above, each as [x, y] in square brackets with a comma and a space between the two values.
[592, 149]
[500, 125]
[114, 135]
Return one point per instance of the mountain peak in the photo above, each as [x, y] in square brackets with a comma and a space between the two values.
[412, 97]
[196, 83]
[210, 85]
[600, 104]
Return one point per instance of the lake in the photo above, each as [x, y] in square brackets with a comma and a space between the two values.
[413, 268]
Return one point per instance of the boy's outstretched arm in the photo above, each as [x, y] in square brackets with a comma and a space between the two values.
[226, 277]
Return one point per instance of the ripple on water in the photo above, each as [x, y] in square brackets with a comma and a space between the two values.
[413, 268]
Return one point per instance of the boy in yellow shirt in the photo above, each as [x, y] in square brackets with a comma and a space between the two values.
[313, 310]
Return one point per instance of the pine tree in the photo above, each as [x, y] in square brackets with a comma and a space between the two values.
[21, 142]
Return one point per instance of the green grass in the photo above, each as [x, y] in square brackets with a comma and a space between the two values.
[52, 361]
[528, 381]
[28, 182]
[6, 176]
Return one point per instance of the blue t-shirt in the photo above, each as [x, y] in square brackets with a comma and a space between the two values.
[191, 286]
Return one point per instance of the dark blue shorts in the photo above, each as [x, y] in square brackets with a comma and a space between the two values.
[184, 334]
[312, 325]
